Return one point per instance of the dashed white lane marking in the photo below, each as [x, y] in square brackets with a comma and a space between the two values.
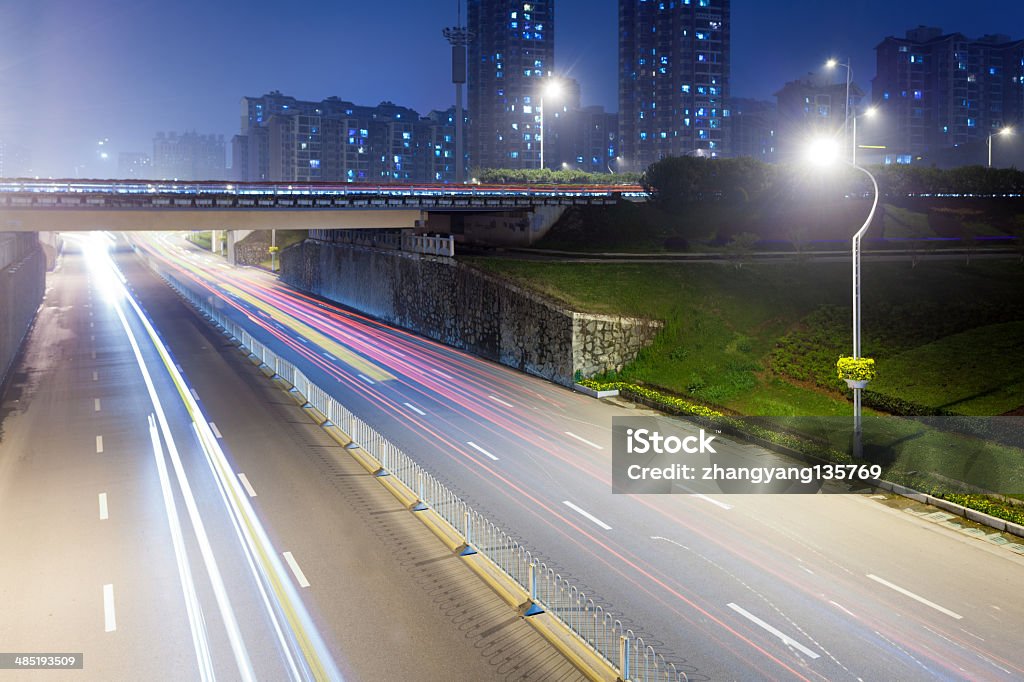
[500, 401]
[90, 325]
[915, 597]
[103, 506]
[216, 431]
[713, 501]
[446, 376]
[328, 356]
[109, 618]
[842, 608]
[367, 379]
[194, 394]
[245, 484]
[94, 355]
[299, 575]
[480, 449]
[415, 409]
[583, 440]
[96, 405]
[99, 443]
[786, 639]
[91, 337]
[807, 569]
[95, 376]
[587, 514]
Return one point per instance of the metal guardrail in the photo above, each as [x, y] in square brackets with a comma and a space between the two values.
[397, 241]
[635, 660]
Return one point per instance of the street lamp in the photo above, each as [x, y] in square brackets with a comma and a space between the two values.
[1004, 131]
[833, 63]
[870, 113]
[551, 89]
[823, 152]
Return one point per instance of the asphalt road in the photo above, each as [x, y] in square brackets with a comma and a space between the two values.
[259, 550]
[729, 587]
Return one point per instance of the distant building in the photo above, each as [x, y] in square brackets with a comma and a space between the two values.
[511, 58]
[134, 165]
[811, 107]
[944, 94]
[753, 125]
[673, 79]
[333, 140]
[189, 156]
[15, 161]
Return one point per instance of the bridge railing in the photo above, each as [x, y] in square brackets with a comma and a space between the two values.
[633, 659]
[443, 245]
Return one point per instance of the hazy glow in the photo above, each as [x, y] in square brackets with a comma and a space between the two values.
[822, 151]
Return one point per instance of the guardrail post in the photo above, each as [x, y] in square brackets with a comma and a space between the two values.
[420, 504]
[531, 578]
[467, 532]
[624, 657]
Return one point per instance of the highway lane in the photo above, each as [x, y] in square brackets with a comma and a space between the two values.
[721, 582]
[119, 548]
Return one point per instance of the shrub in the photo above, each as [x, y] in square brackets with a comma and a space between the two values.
[856, 369]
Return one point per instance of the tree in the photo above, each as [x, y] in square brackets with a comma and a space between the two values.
[740, 248]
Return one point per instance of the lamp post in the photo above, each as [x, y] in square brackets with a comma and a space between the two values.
[833, 63]
[1004, 131]
[822, 152]
[551, 89]
[870, 113]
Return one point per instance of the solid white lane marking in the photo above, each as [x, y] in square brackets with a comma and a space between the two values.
[109, 619]
[292, 564]
[500, 401]
[103, 506]
[216, 431]
[99, 443]
[786, 639]
[587, 514]
[367, 379]
[415, 409]
[245, 484]
[194, 394]
[480, 449]
[96, 405]
[583, 440]
[915, 597]
[95, 376]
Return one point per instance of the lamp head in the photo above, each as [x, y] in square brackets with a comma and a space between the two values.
[552, 88]
[831, 63]
[822, 151]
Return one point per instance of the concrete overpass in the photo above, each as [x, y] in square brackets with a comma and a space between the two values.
[83, 205]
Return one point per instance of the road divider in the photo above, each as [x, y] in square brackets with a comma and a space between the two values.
[585, 632]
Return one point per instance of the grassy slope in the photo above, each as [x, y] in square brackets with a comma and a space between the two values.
[723, 323]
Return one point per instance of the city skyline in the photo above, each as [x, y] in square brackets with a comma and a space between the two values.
[80, 74]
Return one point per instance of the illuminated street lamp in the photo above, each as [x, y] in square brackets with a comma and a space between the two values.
[870, 113]
[831, 64]
[822, 152]
[552, 89]
[1004, 131]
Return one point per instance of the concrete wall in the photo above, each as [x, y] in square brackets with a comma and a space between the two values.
[468, 309]
[22, 284]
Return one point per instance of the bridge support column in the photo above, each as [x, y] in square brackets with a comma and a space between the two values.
[214, 243]
[231, 239]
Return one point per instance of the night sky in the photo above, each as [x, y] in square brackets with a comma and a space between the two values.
[74, 71]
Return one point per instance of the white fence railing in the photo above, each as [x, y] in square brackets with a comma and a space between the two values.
[635, 660]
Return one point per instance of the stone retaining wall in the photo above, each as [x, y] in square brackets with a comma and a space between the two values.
[468, 309]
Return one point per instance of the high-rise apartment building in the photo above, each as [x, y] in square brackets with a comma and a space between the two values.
[511, 56]
[753, 129]
[189, 156]
[333, 140]
[673, 79]
[944, 93]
